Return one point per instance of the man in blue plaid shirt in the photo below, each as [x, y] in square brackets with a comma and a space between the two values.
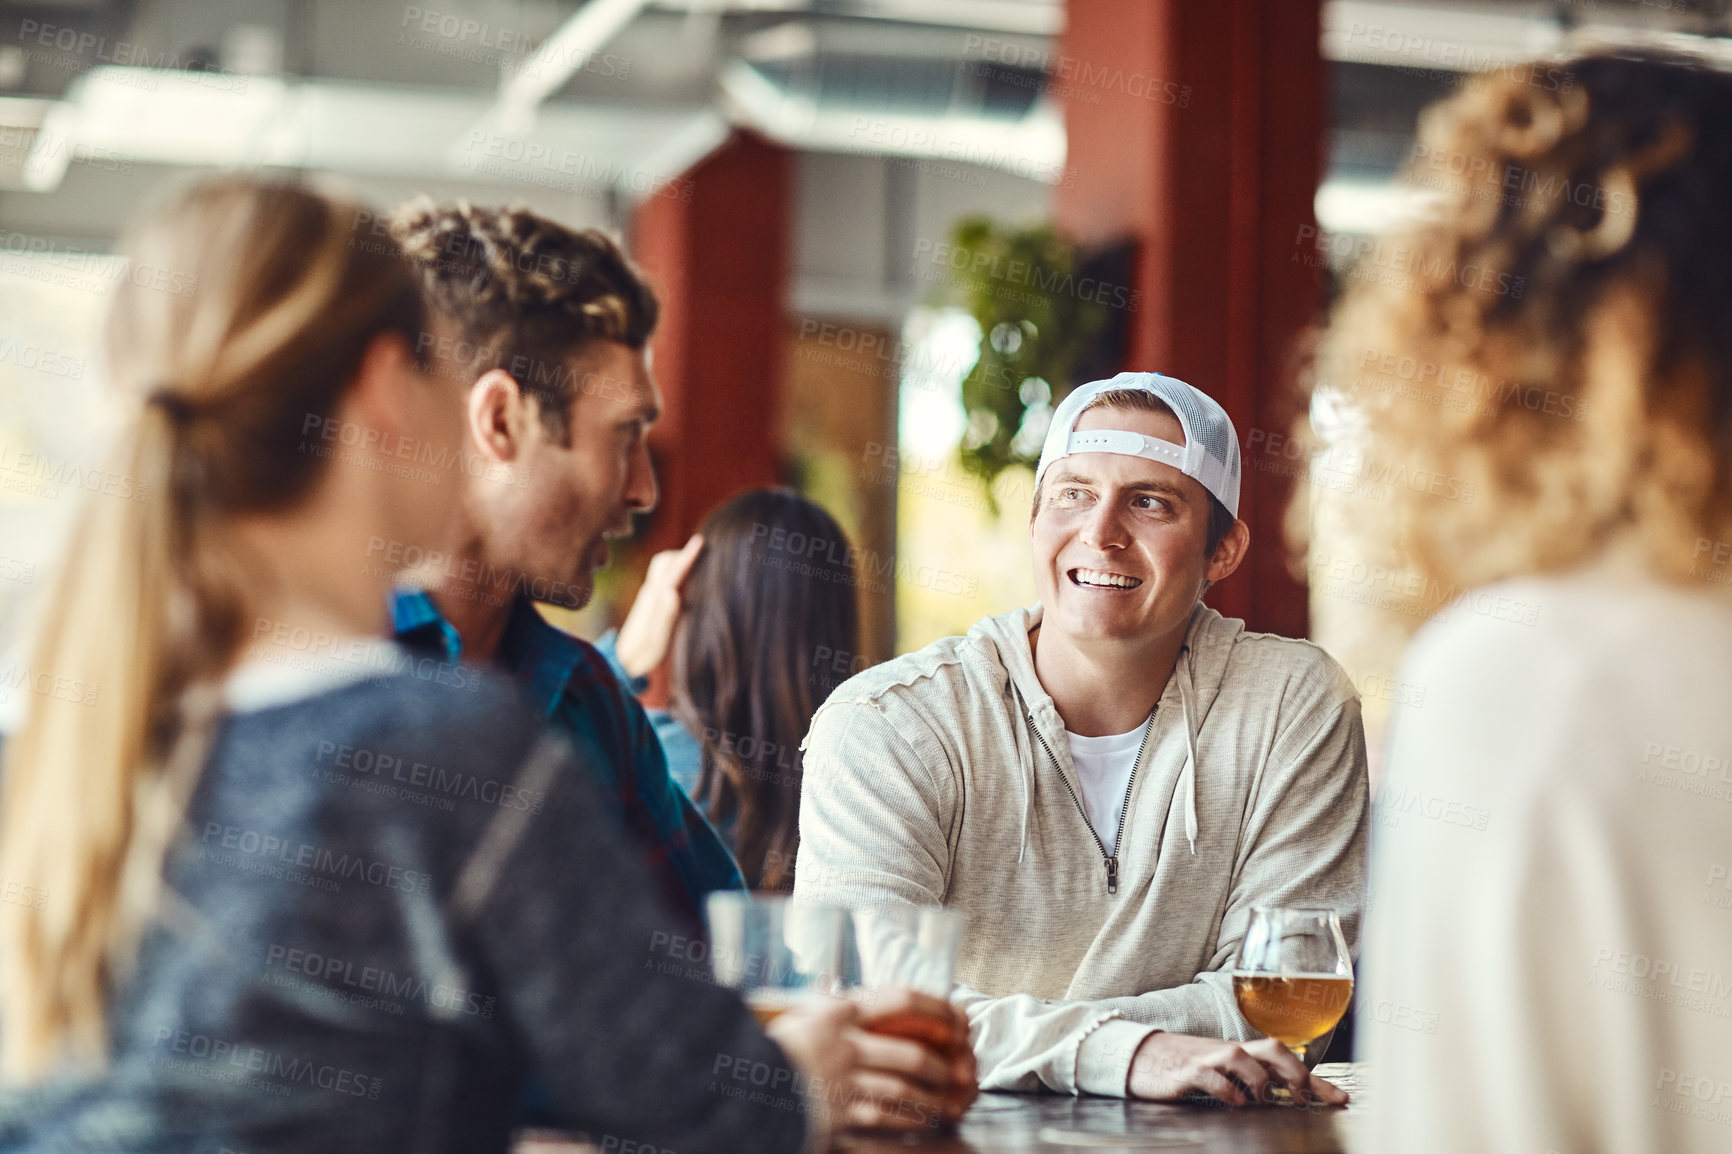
[549, 328]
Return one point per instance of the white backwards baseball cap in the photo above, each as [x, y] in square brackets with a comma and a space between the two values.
[1210, 454]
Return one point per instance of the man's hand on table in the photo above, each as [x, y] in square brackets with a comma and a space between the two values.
[1168, 1066]
[895, 1060]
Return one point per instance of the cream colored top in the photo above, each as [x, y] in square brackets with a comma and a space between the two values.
[1547, 958]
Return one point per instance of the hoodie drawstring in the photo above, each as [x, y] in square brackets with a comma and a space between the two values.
[1187, 693]
[1027, 792]
[1188, 776]
[1027, 805]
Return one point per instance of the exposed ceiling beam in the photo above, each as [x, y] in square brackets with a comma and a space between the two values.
[1027, 17]
[113, 116]
[1470, 37]
[559, 58]
[1032, 146]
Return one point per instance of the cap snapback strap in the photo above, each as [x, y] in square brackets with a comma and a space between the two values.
[1130, 444]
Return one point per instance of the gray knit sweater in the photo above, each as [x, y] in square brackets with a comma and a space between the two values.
[398, 903]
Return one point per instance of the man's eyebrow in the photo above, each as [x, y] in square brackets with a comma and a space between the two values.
[1165, 488]
[1161, 487]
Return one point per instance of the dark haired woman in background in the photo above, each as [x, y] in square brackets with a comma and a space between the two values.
[754, 608]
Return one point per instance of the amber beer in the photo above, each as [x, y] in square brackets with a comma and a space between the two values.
[1294, 1009]
[769, 1003]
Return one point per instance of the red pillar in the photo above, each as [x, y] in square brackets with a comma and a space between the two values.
[1205, 146]
[716, 243]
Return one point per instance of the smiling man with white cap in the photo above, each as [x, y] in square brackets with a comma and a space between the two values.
[1104, 784]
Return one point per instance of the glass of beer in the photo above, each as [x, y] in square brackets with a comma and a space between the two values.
[911, 946]
[1293, 978]
[775, 950]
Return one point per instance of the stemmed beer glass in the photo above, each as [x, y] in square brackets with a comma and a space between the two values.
[1293, 978]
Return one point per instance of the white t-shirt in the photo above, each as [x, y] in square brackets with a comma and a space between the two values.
[1103, 767]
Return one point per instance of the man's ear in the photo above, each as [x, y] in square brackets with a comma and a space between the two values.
[499, 416]
[1228, 553]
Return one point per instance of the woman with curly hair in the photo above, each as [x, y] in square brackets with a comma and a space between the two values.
[1548, 952]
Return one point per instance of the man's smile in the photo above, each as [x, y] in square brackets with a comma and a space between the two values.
[1103, 579]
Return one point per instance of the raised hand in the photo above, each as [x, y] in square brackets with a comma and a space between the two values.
[649, 627]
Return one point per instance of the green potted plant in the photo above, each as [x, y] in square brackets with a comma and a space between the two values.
[1041, 316]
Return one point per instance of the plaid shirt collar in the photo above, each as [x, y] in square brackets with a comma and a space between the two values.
[572, 686]
[541, 657]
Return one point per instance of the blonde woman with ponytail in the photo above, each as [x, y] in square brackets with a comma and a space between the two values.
[156, 593]
[295, 890]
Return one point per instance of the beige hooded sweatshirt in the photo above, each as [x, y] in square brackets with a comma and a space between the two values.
[944, 777]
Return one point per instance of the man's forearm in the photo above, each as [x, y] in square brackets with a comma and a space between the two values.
[1025, 1043]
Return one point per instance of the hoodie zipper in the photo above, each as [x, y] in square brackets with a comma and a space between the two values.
[1112, 859]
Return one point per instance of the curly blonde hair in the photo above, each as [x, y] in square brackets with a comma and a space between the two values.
[523, 293]
[1544, 366]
